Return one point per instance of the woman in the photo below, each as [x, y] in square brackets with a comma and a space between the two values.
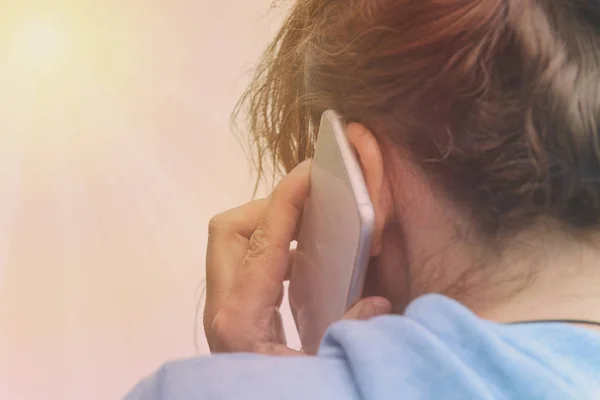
[476, 125]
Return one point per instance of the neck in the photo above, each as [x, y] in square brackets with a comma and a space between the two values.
[542, 278]
[546, 272]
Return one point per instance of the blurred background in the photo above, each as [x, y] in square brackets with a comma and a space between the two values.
[115, 150]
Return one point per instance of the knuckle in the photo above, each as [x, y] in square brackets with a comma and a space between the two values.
[217, 223]
[258, 242]
[260, 246]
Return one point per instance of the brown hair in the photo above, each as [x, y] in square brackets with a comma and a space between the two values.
[497, 100]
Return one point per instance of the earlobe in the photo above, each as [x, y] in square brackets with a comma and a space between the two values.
[371, 160]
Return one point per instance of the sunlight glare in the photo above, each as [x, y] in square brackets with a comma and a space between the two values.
[43, 43]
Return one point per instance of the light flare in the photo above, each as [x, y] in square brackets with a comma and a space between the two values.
[41, 44]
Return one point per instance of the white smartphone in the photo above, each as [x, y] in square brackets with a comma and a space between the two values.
[334, 238]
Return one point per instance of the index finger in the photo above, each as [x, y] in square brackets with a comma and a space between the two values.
[259, 281]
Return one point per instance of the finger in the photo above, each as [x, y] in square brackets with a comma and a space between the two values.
[222, 263]
[369, 307]
[228, 237]
[258, 283]
[241, 220]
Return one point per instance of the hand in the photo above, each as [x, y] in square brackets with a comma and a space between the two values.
[247, 261]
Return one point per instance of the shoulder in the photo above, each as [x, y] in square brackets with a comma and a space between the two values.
[438, 349]
[249, 377]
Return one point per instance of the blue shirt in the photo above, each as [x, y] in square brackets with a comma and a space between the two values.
[437, 350]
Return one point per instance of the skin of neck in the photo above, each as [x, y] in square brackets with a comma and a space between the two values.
[543, 272]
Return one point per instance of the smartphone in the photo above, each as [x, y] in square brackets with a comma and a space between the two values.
[334, 237]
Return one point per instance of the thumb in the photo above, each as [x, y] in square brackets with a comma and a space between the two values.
[369, 307]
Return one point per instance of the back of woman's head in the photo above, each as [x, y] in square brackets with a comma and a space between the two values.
[498, 101]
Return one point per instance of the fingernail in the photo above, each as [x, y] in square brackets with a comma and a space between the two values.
[370, 309]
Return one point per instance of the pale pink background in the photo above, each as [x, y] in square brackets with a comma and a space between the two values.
[110, 167]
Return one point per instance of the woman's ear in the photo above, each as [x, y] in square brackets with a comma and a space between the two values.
[371, 161]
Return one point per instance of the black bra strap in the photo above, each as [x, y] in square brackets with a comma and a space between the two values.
[557, 321]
